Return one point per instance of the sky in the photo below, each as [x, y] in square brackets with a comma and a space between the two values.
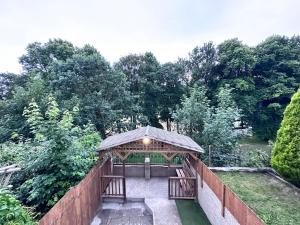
[168, 28]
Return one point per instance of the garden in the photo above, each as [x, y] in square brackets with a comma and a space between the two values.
[55, 113]
[274, 202]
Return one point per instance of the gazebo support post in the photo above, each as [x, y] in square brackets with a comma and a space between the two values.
[169, 162]
[123, 162]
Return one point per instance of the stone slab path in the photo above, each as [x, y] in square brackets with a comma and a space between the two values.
[155, 193]
[123, 214]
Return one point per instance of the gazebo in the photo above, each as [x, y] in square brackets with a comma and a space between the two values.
[151, 140]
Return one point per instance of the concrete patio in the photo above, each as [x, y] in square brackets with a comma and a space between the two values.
[153, 192]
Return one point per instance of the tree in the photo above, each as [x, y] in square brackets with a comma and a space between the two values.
[286, 151]
[236, 62]
[87, 79]
[210, 125]
[40, 56]
[192, 114]
[144, 84]
[172, 89]
[277, 77]
[66, 153]
[201, 63]
[219, 129]
[11, 108]
[8, 81]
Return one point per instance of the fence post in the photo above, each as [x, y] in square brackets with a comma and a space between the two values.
[124, 188]
[209, 155]
[169, 188]
[223, 199]
[202, 175]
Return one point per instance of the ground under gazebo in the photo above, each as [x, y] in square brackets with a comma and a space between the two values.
[155, 184]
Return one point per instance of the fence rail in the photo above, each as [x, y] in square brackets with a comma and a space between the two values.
[182, 187]
[113, 186]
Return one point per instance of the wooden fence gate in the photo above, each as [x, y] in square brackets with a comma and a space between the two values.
[182, 187]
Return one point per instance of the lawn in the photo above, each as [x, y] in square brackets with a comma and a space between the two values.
[254, 152]
[273, 201]
[191, 213]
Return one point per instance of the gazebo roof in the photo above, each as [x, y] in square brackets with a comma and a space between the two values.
[157, 134]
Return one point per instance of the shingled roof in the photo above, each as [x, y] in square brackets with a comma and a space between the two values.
[157, 134]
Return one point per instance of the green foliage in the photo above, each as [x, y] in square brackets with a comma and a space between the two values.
[262, 80]
[254, 152]
[236, 62]
[191, 116]
[172, 88]
[277, 77]
[286, 152]
[219, 129]
[210, 125]
[141, 73]
[40, 56]
[16, 152]
[87, 79]
[11, 109]
[66, 153]
[12, 212]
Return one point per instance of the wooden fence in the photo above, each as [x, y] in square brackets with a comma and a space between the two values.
[182, 188]
[243, 214]
[79, 205]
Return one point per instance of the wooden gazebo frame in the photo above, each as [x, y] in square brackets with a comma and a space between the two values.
[150, 140]
[147, 140]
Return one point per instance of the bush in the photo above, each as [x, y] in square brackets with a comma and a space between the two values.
[64, 154]
[286, 152]
[11, 210]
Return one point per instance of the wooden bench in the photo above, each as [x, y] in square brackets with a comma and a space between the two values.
[186, 184]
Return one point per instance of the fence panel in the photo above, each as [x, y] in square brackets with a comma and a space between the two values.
[228, 199]
[79, 205]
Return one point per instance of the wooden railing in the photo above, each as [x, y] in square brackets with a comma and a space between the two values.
[113, 186]
[182, 187]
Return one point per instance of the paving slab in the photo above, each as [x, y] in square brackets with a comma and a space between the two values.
[123, 214]
[155, 193]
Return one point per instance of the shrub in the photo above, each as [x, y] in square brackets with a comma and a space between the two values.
[11, 210]
[286, 152]
[65, 153]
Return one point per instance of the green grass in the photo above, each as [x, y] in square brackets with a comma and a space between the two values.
[254, 152]
[273, 201]
[191, 213]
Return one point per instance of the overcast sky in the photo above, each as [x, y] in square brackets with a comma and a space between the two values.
[168, 28]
